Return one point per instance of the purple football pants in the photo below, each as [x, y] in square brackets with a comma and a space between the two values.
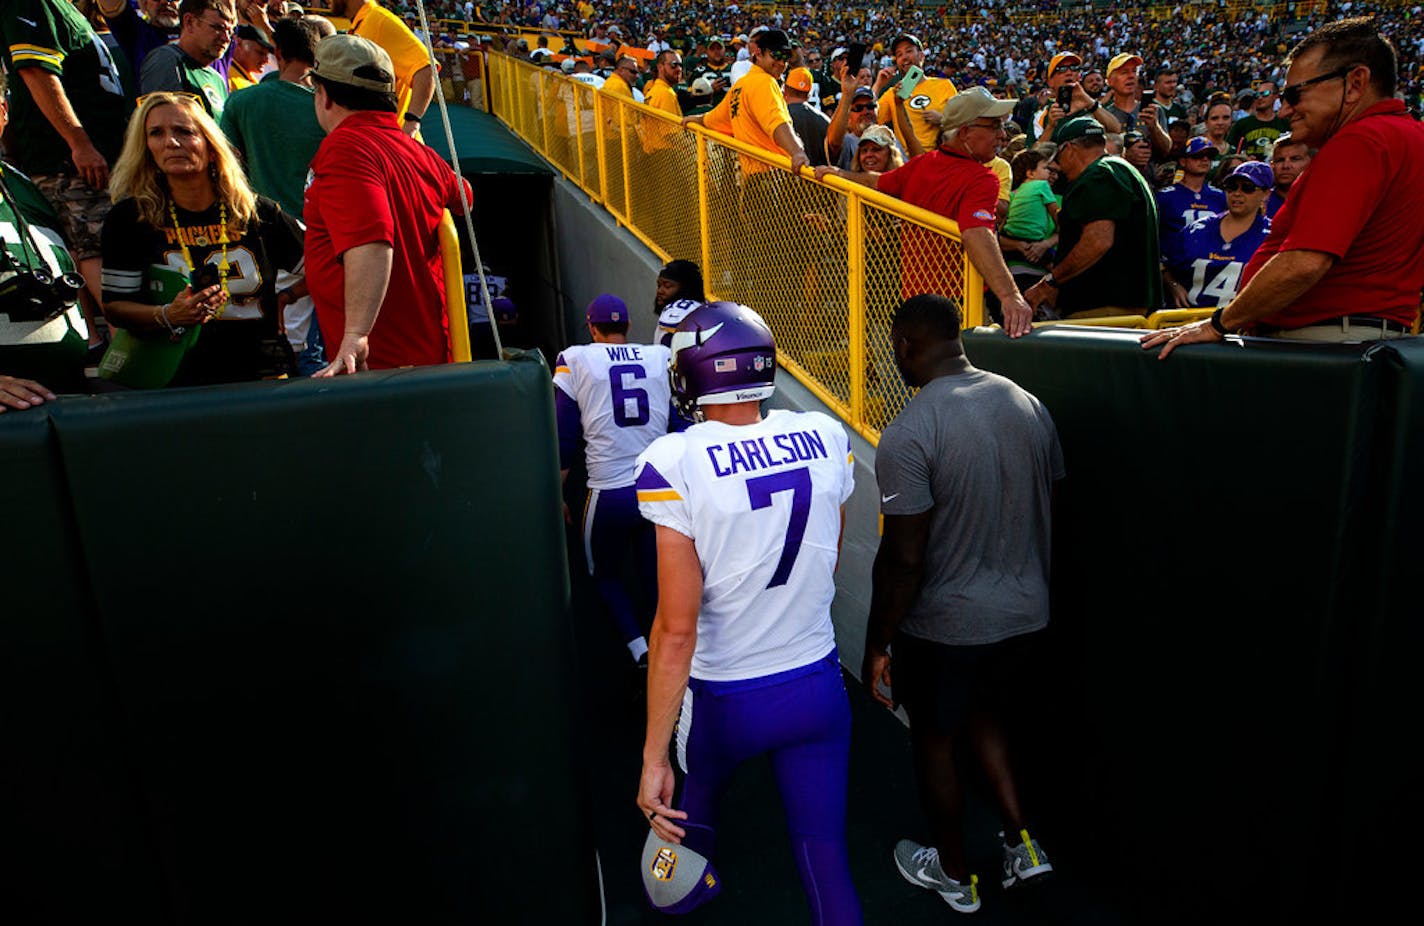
[801, 718]
[613, 530]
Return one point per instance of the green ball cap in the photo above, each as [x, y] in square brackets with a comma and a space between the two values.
[1075, 128]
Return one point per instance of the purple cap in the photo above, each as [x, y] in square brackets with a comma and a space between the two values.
[1258, 172]
[1200, 145]
[606, 310]
[505, 309]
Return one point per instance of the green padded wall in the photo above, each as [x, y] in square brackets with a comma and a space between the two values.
[1382, 794]
[336, 613]
[74, 848]
[1208, 561]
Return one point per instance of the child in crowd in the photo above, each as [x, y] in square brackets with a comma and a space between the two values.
[1031, 230]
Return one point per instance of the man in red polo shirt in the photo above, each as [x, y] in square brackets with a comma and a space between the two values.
[374, 201]
[953, 181]
[1345, 257]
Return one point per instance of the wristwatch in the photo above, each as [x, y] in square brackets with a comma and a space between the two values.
[411, 117]
[1216, 324]
[1048, 278]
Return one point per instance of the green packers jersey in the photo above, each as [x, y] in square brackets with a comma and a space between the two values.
[170, 69]
[51, 350]
[51, 36]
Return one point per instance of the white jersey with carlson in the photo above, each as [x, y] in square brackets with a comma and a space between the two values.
[762, 503]
[623, 397]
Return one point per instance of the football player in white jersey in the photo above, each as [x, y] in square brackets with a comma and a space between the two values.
[614, 396]
[743, 660]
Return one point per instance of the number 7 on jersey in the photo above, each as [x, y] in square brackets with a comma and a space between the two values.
[797, 481]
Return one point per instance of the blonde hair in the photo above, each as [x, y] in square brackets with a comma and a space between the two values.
[136, 176]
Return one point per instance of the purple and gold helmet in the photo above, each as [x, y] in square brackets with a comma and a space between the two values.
[722, 353]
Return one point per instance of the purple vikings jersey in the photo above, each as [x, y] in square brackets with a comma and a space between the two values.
[1178, 206]
[762, 502]
[1209, 267]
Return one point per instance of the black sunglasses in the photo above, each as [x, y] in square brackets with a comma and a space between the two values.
[1235, 183]
[862, 107]
[1290, 95]
[780, 55]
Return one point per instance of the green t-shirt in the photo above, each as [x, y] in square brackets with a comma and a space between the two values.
[170, 68]
[49, 351]
[1129, 274]
[1251, 136]
[51, 36]
[1028, 211]
[274, 125]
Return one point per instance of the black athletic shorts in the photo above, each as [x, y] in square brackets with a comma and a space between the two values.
[941, 686]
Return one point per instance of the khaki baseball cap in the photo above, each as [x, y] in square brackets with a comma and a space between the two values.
[974, 103]
[339, 57]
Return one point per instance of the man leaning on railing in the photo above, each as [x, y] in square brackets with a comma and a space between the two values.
[953, 182]
[755, 111]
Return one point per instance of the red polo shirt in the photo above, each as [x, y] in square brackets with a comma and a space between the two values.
[953, 185]
[371, 182]
[1361, 199]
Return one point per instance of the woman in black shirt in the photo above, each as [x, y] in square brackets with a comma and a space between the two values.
[191, 254]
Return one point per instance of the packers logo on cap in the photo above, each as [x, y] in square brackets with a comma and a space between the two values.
[664, 864]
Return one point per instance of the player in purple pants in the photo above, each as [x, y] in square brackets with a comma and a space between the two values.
[614, 396]
[743, 654]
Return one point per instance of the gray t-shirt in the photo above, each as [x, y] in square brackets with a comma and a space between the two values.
[810, 125]
[983, 454]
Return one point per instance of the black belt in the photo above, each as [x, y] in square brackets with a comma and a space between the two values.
[1360, 321]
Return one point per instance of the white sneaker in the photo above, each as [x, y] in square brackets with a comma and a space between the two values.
[920, 866]
[1024, 861]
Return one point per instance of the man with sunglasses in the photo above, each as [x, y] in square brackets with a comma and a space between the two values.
[1203, 265]
[1064, 69]
[661, 91]
[1253, 135]
[1345, 257]
[754, 111]
[854, 114]
[620, 82]
[184, 66]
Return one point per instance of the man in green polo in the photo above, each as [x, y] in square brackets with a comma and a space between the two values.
[185, 66]
[1110, 262]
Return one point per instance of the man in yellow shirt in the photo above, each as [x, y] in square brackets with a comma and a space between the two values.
[620, 82]
[415, 80]
[661, 91]
[924, 104]
[754, 112]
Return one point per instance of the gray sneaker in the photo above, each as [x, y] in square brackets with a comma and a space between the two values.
[1024, 861]
[920, 866]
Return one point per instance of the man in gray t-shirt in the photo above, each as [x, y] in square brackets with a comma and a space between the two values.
[960, 581]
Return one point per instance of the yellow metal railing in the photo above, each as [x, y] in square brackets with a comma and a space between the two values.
[824, 263]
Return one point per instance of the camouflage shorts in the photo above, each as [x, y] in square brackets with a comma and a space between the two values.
[81, 210]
